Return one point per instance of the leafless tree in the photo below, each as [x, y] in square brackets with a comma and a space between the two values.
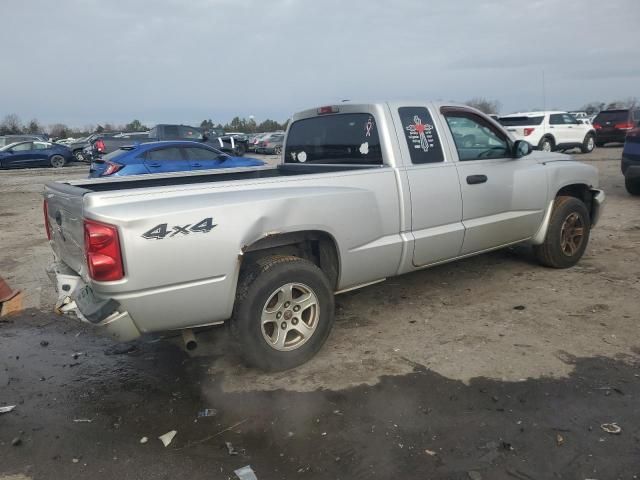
[484, 104]
[11, 124]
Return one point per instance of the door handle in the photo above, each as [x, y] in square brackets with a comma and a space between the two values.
[475, 179]
[156, 165]
[196, 165]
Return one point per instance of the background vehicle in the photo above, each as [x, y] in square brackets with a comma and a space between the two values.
[8, 139]
[167, 156]
[551, 131]
[77, 147]
[103, 146]
[631, 161]
[34, 154]
[365, 192]
[613, 125]
[271, 144]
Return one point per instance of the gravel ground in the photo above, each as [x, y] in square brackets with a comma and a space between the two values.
[434, 374]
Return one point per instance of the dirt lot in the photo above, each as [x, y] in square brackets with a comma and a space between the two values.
[430, 375]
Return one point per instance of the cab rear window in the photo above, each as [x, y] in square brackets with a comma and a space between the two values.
[421, 135]
[349, 138]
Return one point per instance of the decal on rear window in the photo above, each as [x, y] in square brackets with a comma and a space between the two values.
[421, 135]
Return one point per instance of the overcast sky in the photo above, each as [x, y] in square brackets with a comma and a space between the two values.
[94, 61]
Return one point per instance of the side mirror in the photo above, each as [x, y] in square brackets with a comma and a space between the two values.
[521, 148]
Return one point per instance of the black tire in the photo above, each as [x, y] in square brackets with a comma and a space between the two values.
[239, 150]
[551, 253]
[546, 141]
[79, 154]
[57, 161]
[588, 144]
[632, 185]
[256, 287]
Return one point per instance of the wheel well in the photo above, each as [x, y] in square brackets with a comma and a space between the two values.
[316, 246]
[548, 136]
[581, 192]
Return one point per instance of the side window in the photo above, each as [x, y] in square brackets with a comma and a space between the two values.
[556, 119]
[569, 119]
[195, 153]
[21, 147]
[40, 145]
[476, 138]
[420, 134]
[171, 154]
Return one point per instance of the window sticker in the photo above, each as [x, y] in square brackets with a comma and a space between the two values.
[368, 127]
[421, 135]
[364, 148]
[302, 157]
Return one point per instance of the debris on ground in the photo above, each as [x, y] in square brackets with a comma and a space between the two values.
[473, 475]
[431, 453]
[82, 420]
[230, 449]
[44, 343]
[121, 349]
[75, 460]
[559, 439]
[167, 437]
[144, 440]
[207, 412]
[245, 473]
[519, 307]
[612, 428]
[17, 441]
[7, 408]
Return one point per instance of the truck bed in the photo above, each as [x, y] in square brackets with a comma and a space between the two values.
[161, 180]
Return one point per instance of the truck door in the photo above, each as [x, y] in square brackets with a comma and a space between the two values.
[166, 159]
[436, 202]
[503, 198]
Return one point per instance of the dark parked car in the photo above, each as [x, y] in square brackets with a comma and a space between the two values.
[631, 162]
[8, 139]
[168, 156]
[34, 154]
[78, 146]
[613, 125]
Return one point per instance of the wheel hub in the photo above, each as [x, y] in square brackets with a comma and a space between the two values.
[572, 234]
[290, 316]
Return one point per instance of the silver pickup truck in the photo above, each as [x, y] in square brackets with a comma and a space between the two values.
[363, 192]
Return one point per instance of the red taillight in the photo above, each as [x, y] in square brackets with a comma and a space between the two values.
[102, 249]
[111, 169]
[528, 131]
[329, 109]
[100, 146]
[624, 126]
[47, 224]
[597, 126]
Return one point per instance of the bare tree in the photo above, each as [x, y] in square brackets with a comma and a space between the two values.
[484, 104]
[11, 124]
[34, 127]
[59, 130]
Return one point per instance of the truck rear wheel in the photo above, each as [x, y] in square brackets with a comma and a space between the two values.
[567, 234]
[283, 314]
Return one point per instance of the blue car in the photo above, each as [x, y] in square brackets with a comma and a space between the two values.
[34, 153]
[168, 156]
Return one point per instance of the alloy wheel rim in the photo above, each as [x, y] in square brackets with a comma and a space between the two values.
[571, 234]
[590, 143]
[290, 317]
[546, 147]
[57, 161]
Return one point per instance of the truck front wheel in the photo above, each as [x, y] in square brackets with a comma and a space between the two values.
[283, 314]
[567, 234]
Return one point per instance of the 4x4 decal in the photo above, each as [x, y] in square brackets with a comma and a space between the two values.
[163, 231]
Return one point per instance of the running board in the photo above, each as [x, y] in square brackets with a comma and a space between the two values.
[359, 286]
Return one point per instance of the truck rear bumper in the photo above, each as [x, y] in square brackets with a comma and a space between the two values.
[75, 297]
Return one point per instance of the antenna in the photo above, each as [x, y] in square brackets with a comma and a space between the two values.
[544, 94]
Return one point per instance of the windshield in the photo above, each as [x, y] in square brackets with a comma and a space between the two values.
[613, 116]
[341, 138]
[520, 121]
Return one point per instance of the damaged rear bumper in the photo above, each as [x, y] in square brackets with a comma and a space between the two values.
[77, 298]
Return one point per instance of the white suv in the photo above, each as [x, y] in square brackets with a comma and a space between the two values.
[549, 131]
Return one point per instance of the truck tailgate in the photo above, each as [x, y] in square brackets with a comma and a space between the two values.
[64, 205]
